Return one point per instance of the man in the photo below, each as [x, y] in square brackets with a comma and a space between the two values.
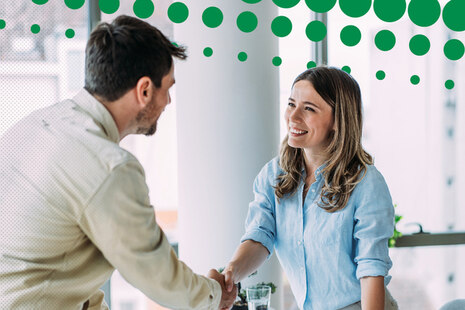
[74, 205]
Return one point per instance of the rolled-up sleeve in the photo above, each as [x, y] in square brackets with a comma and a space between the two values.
[120, 221]
[374, 225]
[260, 225]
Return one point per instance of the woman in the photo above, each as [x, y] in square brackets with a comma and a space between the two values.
[322, 204]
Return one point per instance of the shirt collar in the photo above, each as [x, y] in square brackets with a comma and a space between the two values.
[99, 113]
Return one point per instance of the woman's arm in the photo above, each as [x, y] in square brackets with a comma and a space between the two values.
[372, 293]
[248, 257]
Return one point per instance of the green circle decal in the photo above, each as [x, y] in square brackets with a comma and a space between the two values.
[69, 33]
[454, 49]
[208, 51]
[316, 31]
[40, 2]
[2, 24]
[143, 8]
[247, 21]
[74, 4]
[419, 45]
[281, 26]
[242, 56]
[320, 6]
[414, 79]
[311, 64]
[389, 10]
[178, 12]
[355, 8]
[350, 35]
[286, 4]
[251, 1]
[277, 61]
[35, 28]
[380, 75]
[108, 6]
[424, 13]
[346, 69]
[453, 15]
[212, 17]
[385, 40]
[449, 84]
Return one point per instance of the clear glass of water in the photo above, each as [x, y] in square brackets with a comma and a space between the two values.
[258, 297]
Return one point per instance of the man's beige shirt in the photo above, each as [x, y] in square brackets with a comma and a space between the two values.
[73, 207]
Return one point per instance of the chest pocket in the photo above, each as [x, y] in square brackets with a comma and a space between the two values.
[324, 228]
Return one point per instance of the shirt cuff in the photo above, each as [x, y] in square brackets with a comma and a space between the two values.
[261, 237]
[371, 268]
[215, 295]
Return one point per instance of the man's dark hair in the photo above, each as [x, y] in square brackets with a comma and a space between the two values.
[120, 53]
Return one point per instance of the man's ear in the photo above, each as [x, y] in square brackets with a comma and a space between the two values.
[144, 91]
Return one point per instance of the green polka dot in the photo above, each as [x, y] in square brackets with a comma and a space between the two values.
[251, 1]
[419, 45]
[355, 8]
[424, 13]
[242, 56]
[40, 2]
[281, 26]
[389, 10]
[380, 75]
[277, 61]
[178, 12]
[350, 35]
[452, 15]
[143, 8]
[286, 4]
[346, 69]
[454, 49]
[316, 31]
[385, 40]
[212, 17]
[414, 79]
[175, 44]
[69, 33]
[208, 51]
[247, 21]
[35, 28]
[2, 24]
[108, 6]
[74, 4]
[449, 84]
[320, 6]
[311, 64]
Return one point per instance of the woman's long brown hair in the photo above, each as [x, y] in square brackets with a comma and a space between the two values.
[346, 159]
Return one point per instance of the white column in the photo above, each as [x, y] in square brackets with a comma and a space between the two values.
[228, 128]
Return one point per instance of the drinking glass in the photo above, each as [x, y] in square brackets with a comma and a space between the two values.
[258, 297]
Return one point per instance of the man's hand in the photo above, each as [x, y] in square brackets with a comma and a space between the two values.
[227, 297]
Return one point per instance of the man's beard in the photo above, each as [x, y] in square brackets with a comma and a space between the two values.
[144, 116]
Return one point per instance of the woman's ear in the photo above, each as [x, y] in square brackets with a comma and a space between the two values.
[144, 91]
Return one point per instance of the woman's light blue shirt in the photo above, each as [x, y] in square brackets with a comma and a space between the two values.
[324, 254]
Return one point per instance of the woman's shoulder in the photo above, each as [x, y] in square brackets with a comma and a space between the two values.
[271, 170]
[371, 178]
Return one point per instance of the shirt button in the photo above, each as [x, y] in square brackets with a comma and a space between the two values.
[299, 242]
[313, 190]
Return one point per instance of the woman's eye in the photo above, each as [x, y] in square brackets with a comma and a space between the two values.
[291, 104]
[309, 109]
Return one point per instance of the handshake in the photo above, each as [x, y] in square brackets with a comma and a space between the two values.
[229, 289]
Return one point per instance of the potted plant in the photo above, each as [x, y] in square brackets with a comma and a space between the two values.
[397, 234]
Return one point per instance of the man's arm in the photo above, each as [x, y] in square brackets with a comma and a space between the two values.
[121, 223]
